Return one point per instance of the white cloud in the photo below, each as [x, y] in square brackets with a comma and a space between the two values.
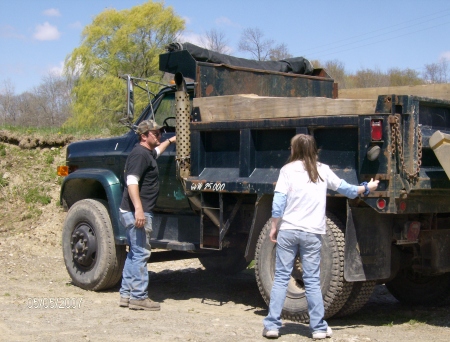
[192, 38]
[445, 55]
[46, 32]
[226, 22]
[7, 31]
[52, 12]
[56, 70]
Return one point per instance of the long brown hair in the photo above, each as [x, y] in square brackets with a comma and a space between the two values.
[304, 148]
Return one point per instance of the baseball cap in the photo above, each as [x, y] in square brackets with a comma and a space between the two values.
[147, 125]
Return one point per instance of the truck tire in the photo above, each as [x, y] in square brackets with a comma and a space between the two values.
[413, 289]
[226, 261]
[335, 290]
[92, 259]
[360, 294]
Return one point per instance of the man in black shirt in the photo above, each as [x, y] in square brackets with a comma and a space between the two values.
[138, 201]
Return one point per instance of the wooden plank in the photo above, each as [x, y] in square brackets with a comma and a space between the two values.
[251, 107]
[437, 91]
[440, 143]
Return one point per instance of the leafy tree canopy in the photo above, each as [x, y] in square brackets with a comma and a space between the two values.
[117, 43]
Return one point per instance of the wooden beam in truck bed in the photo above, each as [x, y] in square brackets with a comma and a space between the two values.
[251, 107]
[435, 91]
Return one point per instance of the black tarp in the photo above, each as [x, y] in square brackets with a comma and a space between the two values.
[296, 65]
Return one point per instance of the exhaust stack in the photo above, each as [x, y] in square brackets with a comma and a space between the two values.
[183, 114]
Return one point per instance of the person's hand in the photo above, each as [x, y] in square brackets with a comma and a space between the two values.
[173, 139]
[273, 234]
[274, 229]
[373, 184]
[140, 218]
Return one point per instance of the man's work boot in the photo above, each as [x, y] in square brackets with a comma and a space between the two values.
[144, 304]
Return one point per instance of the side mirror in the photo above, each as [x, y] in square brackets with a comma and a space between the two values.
[130, 99]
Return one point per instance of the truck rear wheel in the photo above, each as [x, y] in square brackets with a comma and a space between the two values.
[360, 294]
[415, 289]
[334, 290]
[226, 261]
[92, 259]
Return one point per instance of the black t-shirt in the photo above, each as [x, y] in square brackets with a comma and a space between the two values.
[141, 162]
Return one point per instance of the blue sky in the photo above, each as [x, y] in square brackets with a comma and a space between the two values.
[37, 35]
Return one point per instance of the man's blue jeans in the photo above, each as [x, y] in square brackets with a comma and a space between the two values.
[135, 273]
[289, 243]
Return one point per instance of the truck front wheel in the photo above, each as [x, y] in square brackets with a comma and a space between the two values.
[335, 291]
[92, 259]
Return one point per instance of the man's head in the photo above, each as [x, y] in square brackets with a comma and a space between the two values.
[149, 133]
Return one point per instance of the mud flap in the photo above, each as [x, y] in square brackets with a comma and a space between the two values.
[367, 245]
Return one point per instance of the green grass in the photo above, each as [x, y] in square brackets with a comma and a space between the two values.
[3, 182]
[36, 195]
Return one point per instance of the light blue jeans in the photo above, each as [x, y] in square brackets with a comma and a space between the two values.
[289, 243]
[135, 273]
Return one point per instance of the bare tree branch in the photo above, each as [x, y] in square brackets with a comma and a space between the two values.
[215, 40]
[252, 41]
[279, 52]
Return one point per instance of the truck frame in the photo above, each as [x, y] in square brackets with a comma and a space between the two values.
[217, 184]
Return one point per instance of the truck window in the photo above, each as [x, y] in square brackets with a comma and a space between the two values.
[167, 110]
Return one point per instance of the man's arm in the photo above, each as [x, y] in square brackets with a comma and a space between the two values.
[165, 144]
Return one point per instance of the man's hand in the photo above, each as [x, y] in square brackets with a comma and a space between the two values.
[140, 218]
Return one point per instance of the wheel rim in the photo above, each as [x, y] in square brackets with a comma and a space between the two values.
[84, 246]
[296, 286]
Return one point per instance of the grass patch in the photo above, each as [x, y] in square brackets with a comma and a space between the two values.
[3, 181]
[36, 195]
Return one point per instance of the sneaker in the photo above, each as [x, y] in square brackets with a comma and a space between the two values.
[144, 304]
[270, 333]
[124, 302]
[320, 335]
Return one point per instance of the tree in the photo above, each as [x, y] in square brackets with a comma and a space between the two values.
[279, 52]
[53, 100]
[366, 78]
[117, 43]
[8, 103]
[406, 77]
[252, 41]
[215, 40]
[437, 72]
[336, 70]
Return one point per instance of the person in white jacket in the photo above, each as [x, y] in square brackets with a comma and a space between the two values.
[298, 221]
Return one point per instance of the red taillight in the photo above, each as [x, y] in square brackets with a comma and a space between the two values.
[381, 203]
[402, 206]
[376, 130]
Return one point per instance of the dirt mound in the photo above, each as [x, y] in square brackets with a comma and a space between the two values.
[35, 140]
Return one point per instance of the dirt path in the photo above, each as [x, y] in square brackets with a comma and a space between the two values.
[196, 305]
